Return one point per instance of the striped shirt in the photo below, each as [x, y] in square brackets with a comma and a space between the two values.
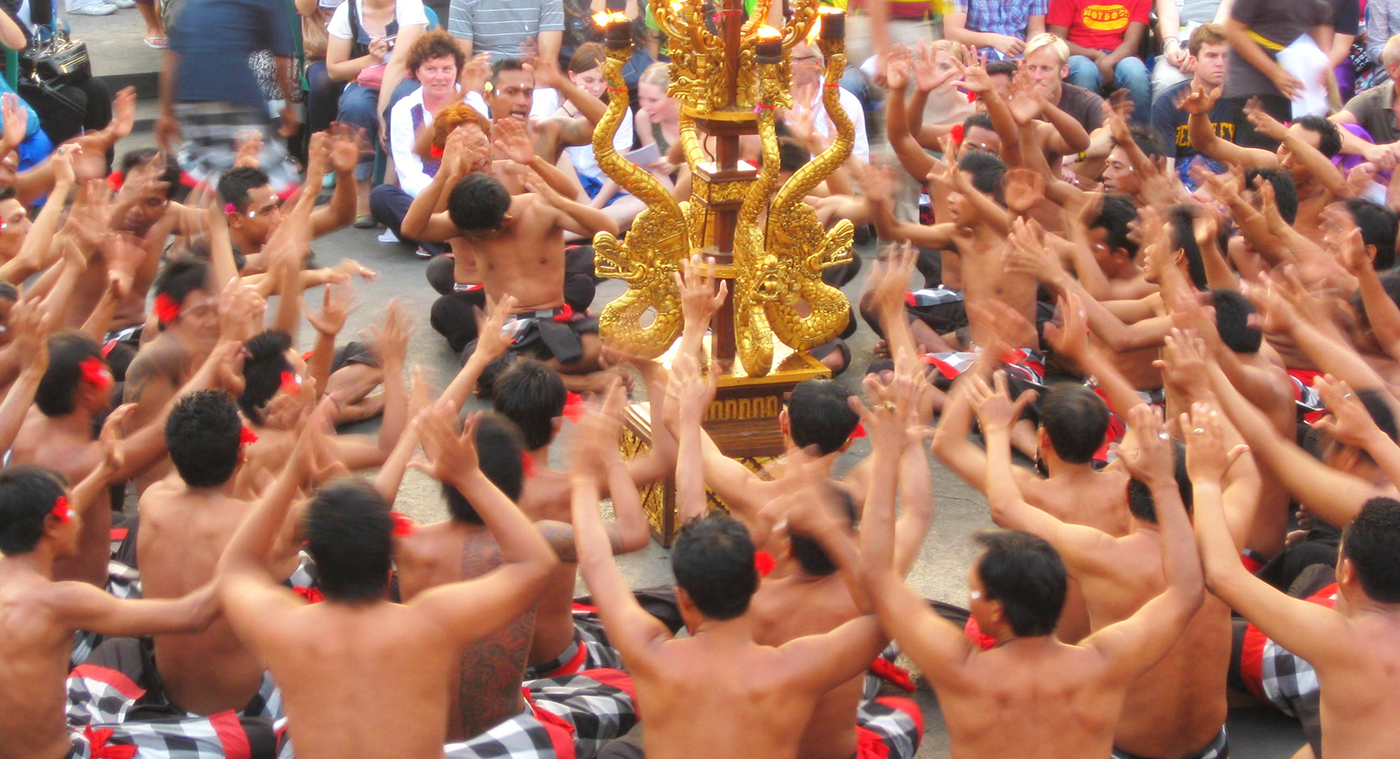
[499, 27]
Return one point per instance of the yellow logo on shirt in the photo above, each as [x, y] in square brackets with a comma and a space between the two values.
[1105, 18]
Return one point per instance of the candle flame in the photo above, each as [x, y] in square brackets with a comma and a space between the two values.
[768, 32]
[604, 18]
[829, 10]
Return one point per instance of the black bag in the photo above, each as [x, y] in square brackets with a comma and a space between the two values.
[53, 60]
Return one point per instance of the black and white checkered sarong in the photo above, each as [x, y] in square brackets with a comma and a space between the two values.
[590, 649]
[572, 715]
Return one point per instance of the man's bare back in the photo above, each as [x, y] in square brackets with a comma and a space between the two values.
[34, 651]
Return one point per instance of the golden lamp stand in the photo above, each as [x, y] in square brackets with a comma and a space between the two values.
[767, 242]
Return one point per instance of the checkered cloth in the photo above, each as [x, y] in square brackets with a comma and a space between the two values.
[212, 132]
[934, 296]
[1275, 674]
[590, 649]
[1305, 395]
[564, 717]
[123, 582]
[888, 727]
[1219, 748]
[1024, 363]
[100, 700]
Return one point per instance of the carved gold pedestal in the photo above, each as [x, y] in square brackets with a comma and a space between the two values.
[742, 421]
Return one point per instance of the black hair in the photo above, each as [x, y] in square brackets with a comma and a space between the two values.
[532, 396]
[986, 170]
[808, 552]
[263, 365]
[235, 184]
[1390, 281]
[1183, 223]
[1285, 190]
[1118, 211]
[1378, 226]
[1148, 140]
[8, 193]
[506, 64]
[478, 203]
[1140, 501]
[791, 155]
[1369, 544]
[58, 389]
[348, 529]
[204, 433]
[712, 560]
[500, 453]
[27, 496]
[1026, 575]
[180, 277]
[1002, 68]
[142, 156]
[981, 120]
[1329, 137]
[1075, 420]
[8, 291]
[1232, 312]
[819, 413]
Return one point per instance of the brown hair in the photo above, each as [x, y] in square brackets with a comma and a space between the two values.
[435, 44]
[453, 116]
[1205, 34]
[589, 56]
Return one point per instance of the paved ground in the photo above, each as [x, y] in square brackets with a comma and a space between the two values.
[116, 48]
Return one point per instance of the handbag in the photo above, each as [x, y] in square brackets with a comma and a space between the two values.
[372, 77]
[314, 37]
[54, 60]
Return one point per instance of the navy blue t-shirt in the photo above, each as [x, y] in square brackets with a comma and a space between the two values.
[214, 39]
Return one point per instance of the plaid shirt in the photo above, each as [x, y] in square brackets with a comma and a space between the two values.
[1008, 17]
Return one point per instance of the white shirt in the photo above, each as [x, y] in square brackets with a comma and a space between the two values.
[407, 12]
[851, 105]
[586, 164]
[407, 164]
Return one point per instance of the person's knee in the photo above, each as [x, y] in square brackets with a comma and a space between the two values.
[1083, 72]
[383, 202]
[441, 273]
[1132, 73]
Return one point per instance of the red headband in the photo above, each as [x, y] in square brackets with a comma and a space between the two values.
[247, 437]
[403, 525]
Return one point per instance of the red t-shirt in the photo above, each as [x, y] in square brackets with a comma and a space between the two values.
[1097, 24]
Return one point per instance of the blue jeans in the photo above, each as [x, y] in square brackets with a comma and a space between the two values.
[357, 106]
[1130, 73]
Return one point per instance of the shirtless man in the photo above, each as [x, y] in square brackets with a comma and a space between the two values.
[40, 523]
[1352, 647]
[1120, 576]
[186, 522]
[511, 96]
[1306, 151]
[361, 675]
[1017, 590]
[73, 396]
[719, 692]
[518, 244]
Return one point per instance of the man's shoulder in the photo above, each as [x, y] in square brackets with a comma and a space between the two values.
[1164, 102]
[1370, 100]
[1077, 95]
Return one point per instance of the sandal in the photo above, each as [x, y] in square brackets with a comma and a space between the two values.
[156, 43]
[364, 222]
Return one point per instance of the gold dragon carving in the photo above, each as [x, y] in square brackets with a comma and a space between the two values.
[798, 243]
[655, 246]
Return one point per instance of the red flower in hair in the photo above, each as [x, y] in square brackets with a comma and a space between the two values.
[167, 310]
[403, 525]
[312, 595]
[971, 96]
[291, 383]
[95, 372]
[115, 180]
[573, 407]
[61, 510]
[435, 152]
[247, 437]
[764, 562]
[527, 464]
[858, 432]
[957, 133]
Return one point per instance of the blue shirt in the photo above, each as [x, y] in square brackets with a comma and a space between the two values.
[214, 39]
[1006, 17]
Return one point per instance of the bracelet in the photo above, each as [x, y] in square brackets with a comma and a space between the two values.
[1172, 39]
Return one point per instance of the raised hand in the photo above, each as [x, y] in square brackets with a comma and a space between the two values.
[1183, 363]
[596, 435]
[241, 311]
[1264, 123]
[1198, 100]
[451, 450]
[1147, 450]
[337, 301]
[993, 405]
[1072, 339]
[1022, 189]
[490, 342]
[512, 139]
[16, 120]
[347, 144]
[110, 437]
[700, 299]
[1350, 423]
[1207, 459]
[390, 335]
[974, 74]
[694, 392]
